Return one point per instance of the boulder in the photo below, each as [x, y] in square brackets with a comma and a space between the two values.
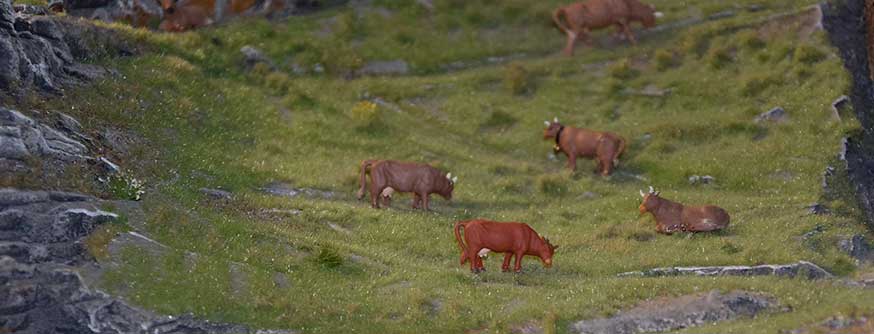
[776, 114]
[22, 137]
[41, 258]
[669, 314]
[803, 269]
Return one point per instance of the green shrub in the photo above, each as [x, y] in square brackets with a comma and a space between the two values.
[750, 39]
[808, 54]
[516, 78]
[753, 86]
[553, 184]
[329, 258]
[623, 70]
[665, 59]
[719, 56]
[364, 112]
[123, 185]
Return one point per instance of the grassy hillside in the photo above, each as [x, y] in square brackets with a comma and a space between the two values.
[206, 121]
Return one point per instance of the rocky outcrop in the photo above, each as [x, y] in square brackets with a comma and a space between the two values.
[22, 138]
[845, 22]
[801, 268]
[669, 314]
[41, 261]
[45, 52]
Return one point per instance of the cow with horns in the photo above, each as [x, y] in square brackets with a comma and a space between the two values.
[673, 217]
[389, 176]
[578, 19]
[605, 147]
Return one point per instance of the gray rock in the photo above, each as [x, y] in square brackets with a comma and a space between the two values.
[839, 106]
[22, 137]
[668, 314]
[106, 166]
[388, 67]
[706, 179]
[817, 209]
[41, 257]
[858, 248]
[217, 194]
[801, 268]
[253, 56]
[777, 114]
[287, 190]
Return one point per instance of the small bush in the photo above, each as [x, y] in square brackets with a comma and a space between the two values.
[123, 185]
[751, 40]
[665, 59]
[499, 119]
[623, 70]
[278, 81]
[516, 78]
[329, 258]
[753, 86]
[364, 112]
[552, 184]
[718, 57]
[808, 54]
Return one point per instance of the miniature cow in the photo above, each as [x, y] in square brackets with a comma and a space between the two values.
[605, 147]
[578, 19]
[182, 15]
[512, 239]
[419, 179]
[674, 217]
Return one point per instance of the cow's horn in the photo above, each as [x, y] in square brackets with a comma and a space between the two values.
[641, 194]
[651, 190]
[659, 15]
[555, 120]
[449, 176]
[658, 193]
[546, 123]
[454, 179]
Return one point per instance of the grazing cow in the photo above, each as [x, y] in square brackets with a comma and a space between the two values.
[674, 217]
[605, 147]
[512, 239]
[182, 15]
[578, 19]
[419, 179]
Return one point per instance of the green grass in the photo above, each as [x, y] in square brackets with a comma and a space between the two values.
[209, 123]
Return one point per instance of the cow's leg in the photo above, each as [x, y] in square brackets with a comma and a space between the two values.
[606, 167]
[571, 42]
[416, 200]
[572, 161]
[518, 267]
[471, 256]
[479, 264]
[505, 267]
[626, 29]
[425, 199]
[375, 194]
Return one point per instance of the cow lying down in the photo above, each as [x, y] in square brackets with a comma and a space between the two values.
[513, 239]
[673, 217]
[389, 176]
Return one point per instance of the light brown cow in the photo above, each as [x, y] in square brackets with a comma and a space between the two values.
[674, 217]
[578, 19]
[419, 179]
[605, 147]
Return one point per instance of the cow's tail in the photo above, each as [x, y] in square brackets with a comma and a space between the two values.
[458, 227]
[619, 152]
[363, 181]
[559, 17]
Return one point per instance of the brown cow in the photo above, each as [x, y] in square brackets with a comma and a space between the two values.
[512, 239]
[578, 19]
[605, 147]
[419, 179]
[674, 217]
[189, 14]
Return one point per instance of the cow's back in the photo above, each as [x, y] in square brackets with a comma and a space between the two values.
[402, 176]
[603, 13]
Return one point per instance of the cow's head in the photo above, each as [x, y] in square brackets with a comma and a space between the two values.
[552, 128]
[649, 15]
[547, 252]
[651, 201]
[446, 192]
